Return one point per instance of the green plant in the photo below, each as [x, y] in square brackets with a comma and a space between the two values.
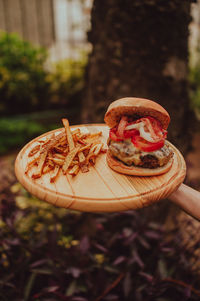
[23, 85]
[15, 132]
[66, 80]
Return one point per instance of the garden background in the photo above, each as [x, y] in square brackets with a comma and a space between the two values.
[70, 58]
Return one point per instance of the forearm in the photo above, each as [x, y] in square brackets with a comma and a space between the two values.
[188, 199]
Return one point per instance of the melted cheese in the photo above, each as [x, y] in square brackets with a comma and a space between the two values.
[129, 154]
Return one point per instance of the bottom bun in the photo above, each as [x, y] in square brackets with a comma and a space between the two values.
[118, 166]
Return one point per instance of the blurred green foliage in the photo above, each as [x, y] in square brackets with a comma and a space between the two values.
[15, 131]
[66, 80]
[23, 85]
[26, 85]
[194, 81]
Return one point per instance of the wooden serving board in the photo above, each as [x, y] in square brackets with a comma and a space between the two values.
[101, 189]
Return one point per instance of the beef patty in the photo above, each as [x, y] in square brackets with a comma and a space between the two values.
[126, 152]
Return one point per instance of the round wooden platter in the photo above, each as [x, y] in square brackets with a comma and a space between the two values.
[101, 189]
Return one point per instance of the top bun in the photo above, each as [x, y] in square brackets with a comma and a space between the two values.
[139, 107]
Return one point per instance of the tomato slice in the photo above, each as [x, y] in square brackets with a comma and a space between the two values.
[130, 133]
[113, 135]
[155, 128]
[121, 126]
[146, 146]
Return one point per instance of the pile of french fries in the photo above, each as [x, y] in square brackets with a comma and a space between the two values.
[69, 152]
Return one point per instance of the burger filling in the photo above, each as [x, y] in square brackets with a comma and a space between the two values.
[140, 143]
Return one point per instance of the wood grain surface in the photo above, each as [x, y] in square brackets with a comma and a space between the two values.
[101, 189]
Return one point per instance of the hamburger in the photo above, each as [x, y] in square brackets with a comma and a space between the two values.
[137, 142]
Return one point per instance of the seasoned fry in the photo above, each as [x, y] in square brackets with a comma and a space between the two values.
[55, 173]
[76, 132]
[40, 165]
[93, 141]
[59, 156]
[83, 135]
[74, 170]
[70, 151]
[61, 149]
[85, 147]
[69, 159]
[34, 151]
[68, 134]
[90, 158]
[62, 141]
[57, 161]
[84, 168]
[74, 162]
[103, 150]
[81, 141]
[31, 164]
[92, 148]
[81, 157]
[54, 141]
[46, 169]
[48, 141]
[95, 135]
[98, 149]
[50, 163]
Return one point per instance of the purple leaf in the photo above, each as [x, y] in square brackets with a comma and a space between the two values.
[79, 299]
[38, 263]
[119, 259]
[84, 244]
[127, 284]
[131, 238]
[51, 289]
[162, 268]
[144, 243]
[187, 292]
[100, 247]
[75, 272]
[13, 242]
[61, 296]
[127, 232]
[166, 249]
[155, 226]
[147, 276]
[112, 298]
[137, 259]
[71, 289]
[153, 234]
[42, 271]
[99, 226]
[9, 222]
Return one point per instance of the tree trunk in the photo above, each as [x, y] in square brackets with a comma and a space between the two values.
[140, 48]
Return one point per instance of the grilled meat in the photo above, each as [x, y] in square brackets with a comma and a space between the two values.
[126, 152]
